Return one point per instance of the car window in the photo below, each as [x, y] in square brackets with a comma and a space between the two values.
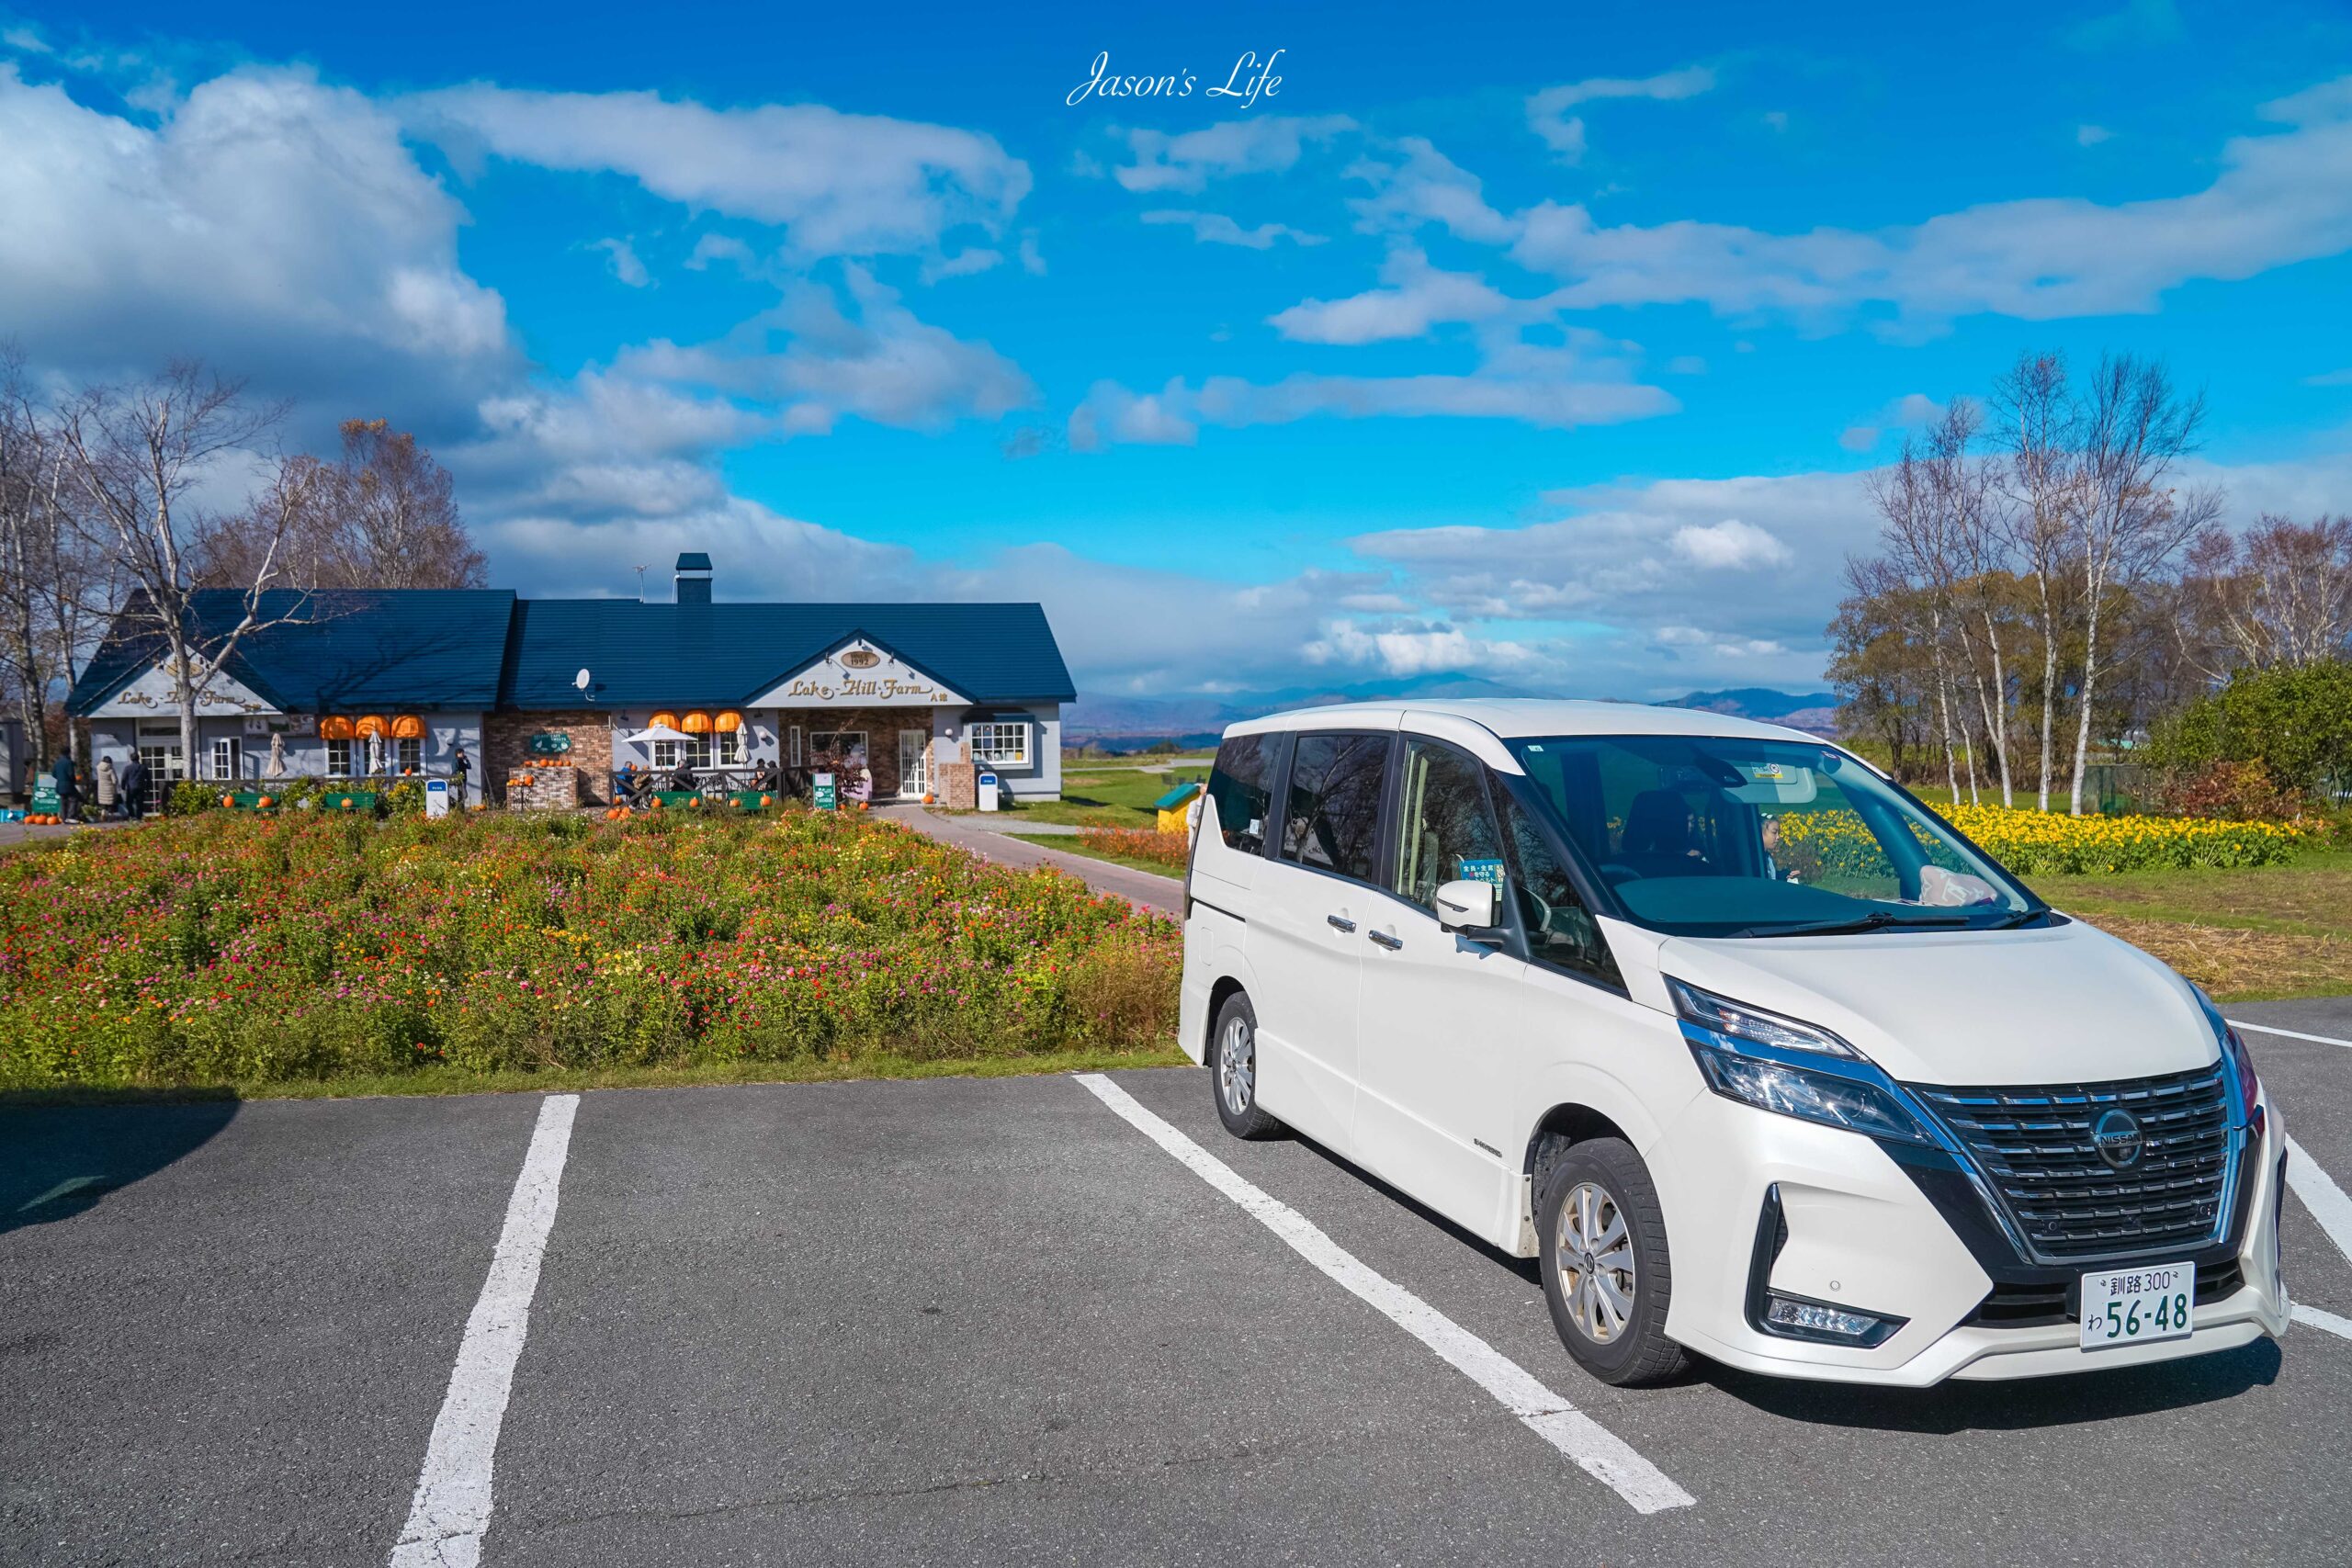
[1560, 929]
[1241, 782]
[1446, 828]
[1333, 821]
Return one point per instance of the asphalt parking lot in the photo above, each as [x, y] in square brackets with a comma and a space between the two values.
[993, 1321]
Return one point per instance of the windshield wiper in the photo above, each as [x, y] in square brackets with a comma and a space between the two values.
[1877, 919]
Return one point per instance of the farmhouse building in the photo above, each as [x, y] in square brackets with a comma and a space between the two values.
[913, 699]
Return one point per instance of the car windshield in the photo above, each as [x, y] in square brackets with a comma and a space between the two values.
[1715, 836]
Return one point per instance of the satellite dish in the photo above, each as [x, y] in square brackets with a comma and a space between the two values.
[581, 680]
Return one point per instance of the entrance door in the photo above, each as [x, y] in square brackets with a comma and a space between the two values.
[914, 763]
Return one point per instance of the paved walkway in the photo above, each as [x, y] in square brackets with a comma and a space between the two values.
[1164, 894]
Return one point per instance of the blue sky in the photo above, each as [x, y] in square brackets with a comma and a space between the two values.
[1552, 347]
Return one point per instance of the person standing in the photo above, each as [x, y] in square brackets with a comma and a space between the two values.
[461, 766]
[69, 786]
[132, 787]
[108, 788]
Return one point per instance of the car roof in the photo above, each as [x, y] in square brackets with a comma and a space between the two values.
[1514, 718]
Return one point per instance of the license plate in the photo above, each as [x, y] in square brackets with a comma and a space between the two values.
[2133, 1306]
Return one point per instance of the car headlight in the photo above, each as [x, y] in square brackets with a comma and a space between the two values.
[1721, 1015]
[2235, 1058]
[1753, 1058]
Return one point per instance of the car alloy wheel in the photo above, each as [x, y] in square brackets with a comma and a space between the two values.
[1595, 1255]
[1236, 1067]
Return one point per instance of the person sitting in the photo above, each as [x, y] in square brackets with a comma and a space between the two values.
[682, 777]
[1658, 841]
[631, 784]
[765, 777]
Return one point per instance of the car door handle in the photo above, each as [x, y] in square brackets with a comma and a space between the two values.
[1339, 923]
[1384, 940]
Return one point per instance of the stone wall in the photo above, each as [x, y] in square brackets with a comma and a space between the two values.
[540, 787]
[507, 746]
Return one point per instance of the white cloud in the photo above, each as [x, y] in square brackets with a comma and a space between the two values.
[268, 222]
[1216, 228]
[1189, 161]
[1858, 437]
[1729, 546]
[2330, 379]
[1686, 364]
[1418, 297]
[1177, 409]
[621, 256]
[1414, 183]
[838, 184]
[2279, 199]
[1407, 648]
[712, 249]
[1564, 133]
[817, 362]
[2092, 135]
[962, 264]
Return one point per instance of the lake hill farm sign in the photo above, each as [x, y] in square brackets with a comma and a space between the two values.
[859, 675]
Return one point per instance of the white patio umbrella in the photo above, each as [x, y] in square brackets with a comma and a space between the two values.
[658, 732]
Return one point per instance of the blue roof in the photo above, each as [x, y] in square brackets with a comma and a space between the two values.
[477, 648]
[344, 651]
[638, 654]
[1177, 797]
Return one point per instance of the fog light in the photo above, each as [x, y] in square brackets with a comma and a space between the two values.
[1800, 1319]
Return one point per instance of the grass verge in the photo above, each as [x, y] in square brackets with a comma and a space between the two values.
[452, 1080]
[2247, 935]
[1077, 846]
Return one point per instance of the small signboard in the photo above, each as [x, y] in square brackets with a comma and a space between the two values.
[45, 802]
[551, 743]
[826, 798]
[1486, 871]
[436, 797]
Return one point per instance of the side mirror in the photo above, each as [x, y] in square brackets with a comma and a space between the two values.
[1467, 905]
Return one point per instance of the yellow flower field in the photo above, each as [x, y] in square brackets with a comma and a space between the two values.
[2042, 843]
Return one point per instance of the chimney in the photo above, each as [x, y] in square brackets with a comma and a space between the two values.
[693, 578]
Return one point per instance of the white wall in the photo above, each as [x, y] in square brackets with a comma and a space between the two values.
[1042, 779]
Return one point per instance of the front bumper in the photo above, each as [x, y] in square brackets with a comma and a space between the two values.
[1862, 1233]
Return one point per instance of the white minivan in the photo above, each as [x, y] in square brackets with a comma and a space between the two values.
[1758, 1056]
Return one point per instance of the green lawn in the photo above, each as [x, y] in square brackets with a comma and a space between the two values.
[1108, 796]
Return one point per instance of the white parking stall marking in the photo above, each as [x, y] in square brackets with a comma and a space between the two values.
[2287, 1034]
[1598, 1451]
[2339, 1326]
[451, 1511]
[2321, 1195]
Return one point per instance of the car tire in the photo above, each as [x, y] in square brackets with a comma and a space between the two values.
[1607, 1277]
[1233, 1070]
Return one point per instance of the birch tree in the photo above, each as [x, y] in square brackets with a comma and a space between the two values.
[2042, 489]
[2132, 430]
[135, 455]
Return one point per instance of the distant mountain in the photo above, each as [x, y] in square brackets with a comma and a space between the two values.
[1814, 712]
[1130, 723]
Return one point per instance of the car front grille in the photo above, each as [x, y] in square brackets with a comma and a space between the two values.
[2034, 1146]
[2030, 1307]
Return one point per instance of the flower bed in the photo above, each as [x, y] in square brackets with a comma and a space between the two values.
[1138, 844]
[235, 947]
[2041, 843]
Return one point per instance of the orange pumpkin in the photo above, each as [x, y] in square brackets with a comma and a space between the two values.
[694, 802]
[265, 802]
[346, 803]
[767, 800]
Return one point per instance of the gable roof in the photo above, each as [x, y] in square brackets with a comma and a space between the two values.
[727, 654]
[349, 650]
[356, 650]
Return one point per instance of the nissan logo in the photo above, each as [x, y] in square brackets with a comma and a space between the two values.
[2116, 1137]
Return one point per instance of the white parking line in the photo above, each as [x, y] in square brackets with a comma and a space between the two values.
[2289, 1033]
[1600, 1452]
[2321, 1195]
[2339, 1326]
[452, 1509]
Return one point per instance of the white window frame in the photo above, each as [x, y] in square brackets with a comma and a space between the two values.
[225, 758]
[409, 752]
[727, 749]
[339, 755]
[988, 738]
[796, 745]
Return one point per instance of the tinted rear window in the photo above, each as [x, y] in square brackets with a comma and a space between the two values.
[1334, 817]
[1242, 785]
